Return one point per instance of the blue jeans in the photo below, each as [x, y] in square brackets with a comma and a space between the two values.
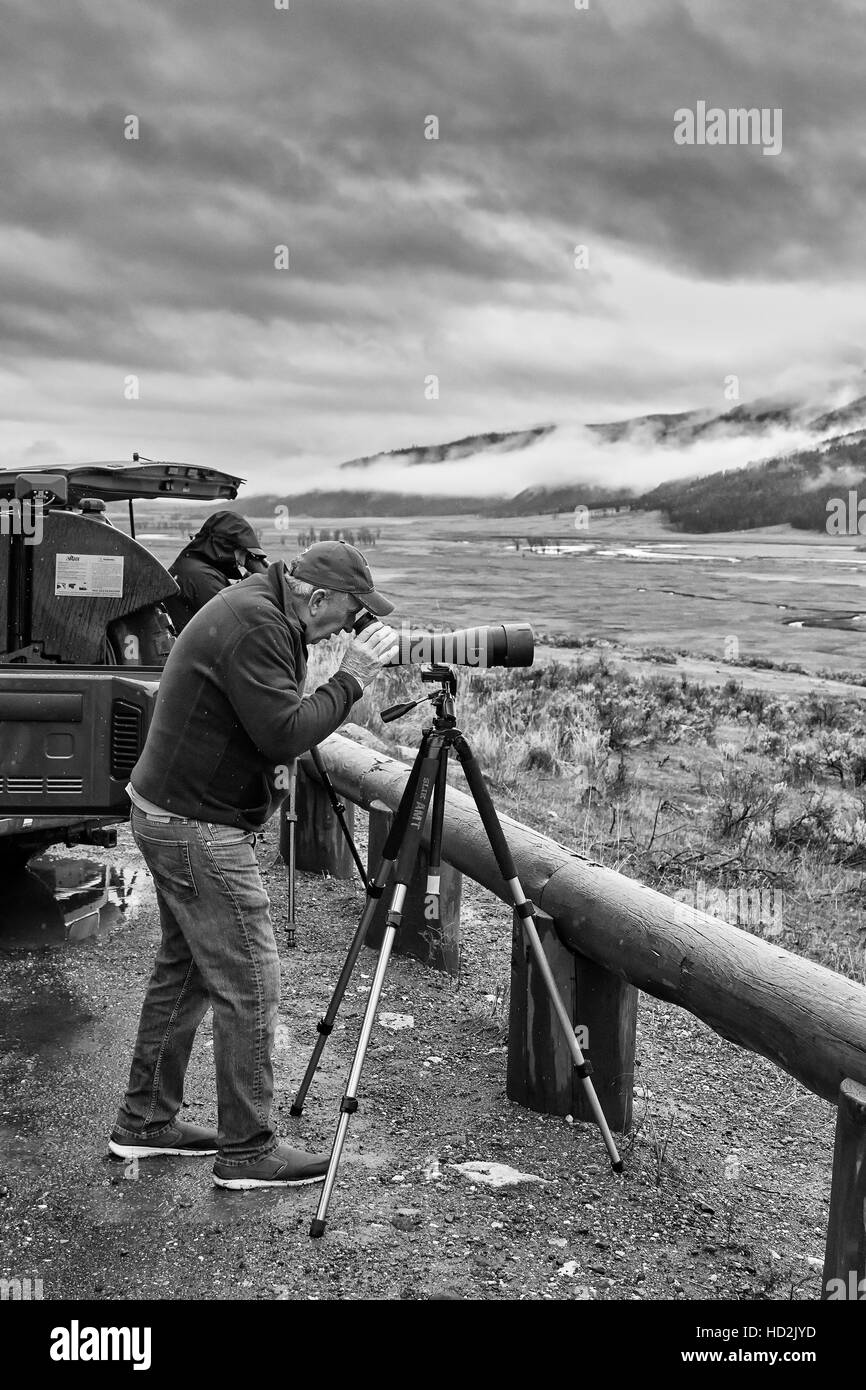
[218, 950]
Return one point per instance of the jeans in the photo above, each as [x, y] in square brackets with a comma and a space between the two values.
[217, 950]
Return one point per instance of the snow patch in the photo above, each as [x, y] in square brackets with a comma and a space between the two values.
[494, 1174]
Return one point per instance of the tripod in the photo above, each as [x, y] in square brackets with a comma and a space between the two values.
[290, 816]
[427, 779]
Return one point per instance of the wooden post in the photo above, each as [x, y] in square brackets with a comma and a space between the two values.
[320, 845]
[603, 1008]
[845, 1257]
[435, 941]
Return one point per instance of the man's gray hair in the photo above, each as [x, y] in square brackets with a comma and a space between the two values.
[301, 589]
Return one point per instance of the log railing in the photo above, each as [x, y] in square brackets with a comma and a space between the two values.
[607, 936]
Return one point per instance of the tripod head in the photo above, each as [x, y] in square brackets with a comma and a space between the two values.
[438, 673]
[442, 699]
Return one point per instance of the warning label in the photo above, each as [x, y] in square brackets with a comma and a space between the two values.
[88, 576]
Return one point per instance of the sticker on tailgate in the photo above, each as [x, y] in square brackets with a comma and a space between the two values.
[88, 576]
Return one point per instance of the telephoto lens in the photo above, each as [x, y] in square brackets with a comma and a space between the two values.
[498, 644]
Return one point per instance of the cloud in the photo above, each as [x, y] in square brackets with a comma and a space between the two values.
[573, 457]
[409, 256]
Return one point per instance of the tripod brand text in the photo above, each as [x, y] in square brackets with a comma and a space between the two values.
[420, 803]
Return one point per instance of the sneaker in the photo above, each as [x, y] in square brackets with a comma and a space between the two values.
[282, 1167]
[180, 1139]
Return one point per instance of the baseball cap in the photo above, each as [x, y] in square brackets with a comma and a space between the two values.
[338, 565]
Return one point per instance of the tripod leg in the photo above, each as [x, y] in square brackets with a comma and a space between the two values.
[434, 872]
[427, 776]
[375, 889]
[526, 912]
[291, 818]
[349, 1103]
[339, 810]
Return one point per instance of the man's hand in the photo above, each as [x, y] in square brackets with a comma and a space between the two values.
[365, 656]
[255, 564]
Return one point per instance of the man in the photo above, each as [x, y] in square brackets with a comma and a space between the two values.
[225, 545]
[228, 721]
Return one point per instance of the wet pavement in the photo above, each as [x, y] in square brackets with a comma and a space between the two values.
[62, 897]
[403, 1223]
[77, 938]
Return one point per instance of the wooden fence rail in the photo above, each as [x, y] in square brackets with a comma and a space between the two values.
[804, 1018]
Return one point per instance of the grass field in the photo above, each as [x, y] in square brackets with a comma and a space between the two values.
[637, 582]
[745, 806]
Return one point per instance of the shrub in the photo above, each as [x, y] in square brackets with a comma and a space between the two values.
[741, 798]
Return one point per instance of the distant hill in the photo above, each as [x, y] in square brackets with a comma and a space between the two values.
[794, 488]
[533, 501]
[468, 447]
[354, 502]
[686, 427]
[791, 488]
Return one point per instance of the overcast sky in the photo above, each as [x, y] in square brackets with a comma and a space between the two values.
[411, 257]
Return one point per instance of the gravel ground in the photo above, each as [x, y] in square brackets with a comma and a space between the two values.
[727, 1172]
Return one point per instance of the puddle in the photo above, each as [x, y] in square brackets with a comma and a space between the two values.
[59, 899]
[847, 621]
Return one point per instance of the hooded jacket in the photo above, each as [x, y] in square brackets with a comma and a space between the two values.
[229, 717]
[207, 565]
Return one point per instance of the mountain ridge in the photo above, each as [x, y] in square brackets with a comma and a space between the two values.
[789, 487]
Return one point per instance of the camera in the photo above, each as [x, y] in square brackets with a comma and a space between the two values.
[498, 644]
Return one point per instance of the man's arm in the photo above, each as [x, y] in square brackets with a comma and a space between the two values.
[261, 685]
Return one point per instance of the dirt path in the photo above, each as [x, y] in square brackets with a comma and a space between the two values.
[726, 1178]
